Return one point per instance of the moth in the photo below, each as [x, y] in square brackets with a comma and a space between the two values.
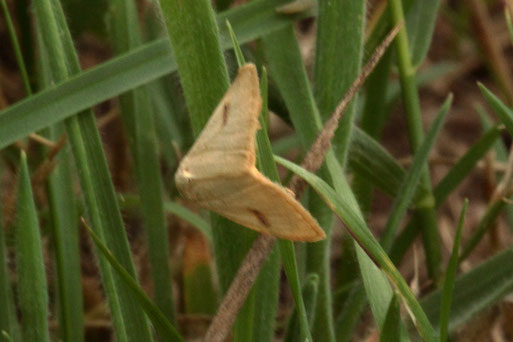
[219, 174]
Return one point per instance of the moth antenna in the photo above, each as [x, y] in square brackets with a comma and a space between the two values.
[315, 155]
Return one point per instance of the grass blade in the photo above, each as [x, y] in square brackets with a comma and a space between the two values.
[391, 327]
[504, 113]
[264, 297]
[287, 69]
[426, 212]
[474, 291]
[450, 275]
[466, 163]
[32, 293]
[64, 221]
[332, 79]
[8, 320]
[120, 74]
[16, 48]
[309, 294]
[362, 235]
[137, 114]
[198, 54]
[409, 184]
[128, 319]
[129, 201]
[199, 293]
[420, 24]
[165, 330]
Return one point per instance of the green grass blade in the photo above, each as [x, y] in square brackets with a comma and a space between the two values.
[391, 328]
[309, 294]
[81, 92]
[338, 59]
[420, 24]
[492, 212]
[499, 147]
[465, 165]
[129, 201]
[287, 69]
[165, 330]
[362, 235]
[198, 292]
[8, 318]
[264, 297]
[289, 74]
[426, 212]
[188, 216]
[198, 55]
[253, 20]
[32, 292]
[474, 291]
[137, 114]
[120, 74]
[509, 23]
[450, 275]
[504, 113]
[370, 160]
[16, 48]
[267, 285]
[128, 319]
[372, 121]
[64, 221]
[408, 186]
[451, 180]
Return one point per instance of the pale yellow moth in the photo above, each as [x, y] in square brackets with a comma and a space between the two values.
[219, 171]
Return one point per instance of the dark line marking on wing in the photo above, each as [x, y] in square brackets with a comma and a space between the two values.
[225, 113]
[260, 216]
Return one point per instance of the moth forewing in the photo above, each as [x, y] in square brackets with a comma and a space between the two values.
[219, 171]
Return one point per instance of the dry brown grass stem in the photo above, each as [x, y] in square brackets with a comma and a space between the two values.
[252, 263]
[239, 289]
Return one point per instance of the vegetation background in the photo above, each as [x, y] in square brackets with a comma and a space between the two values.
[105, 97]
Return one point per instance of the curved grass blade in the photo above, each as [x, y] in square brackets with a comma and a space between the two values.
[32, 292]
[369, 244]
[165, 330]
[450, 275]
